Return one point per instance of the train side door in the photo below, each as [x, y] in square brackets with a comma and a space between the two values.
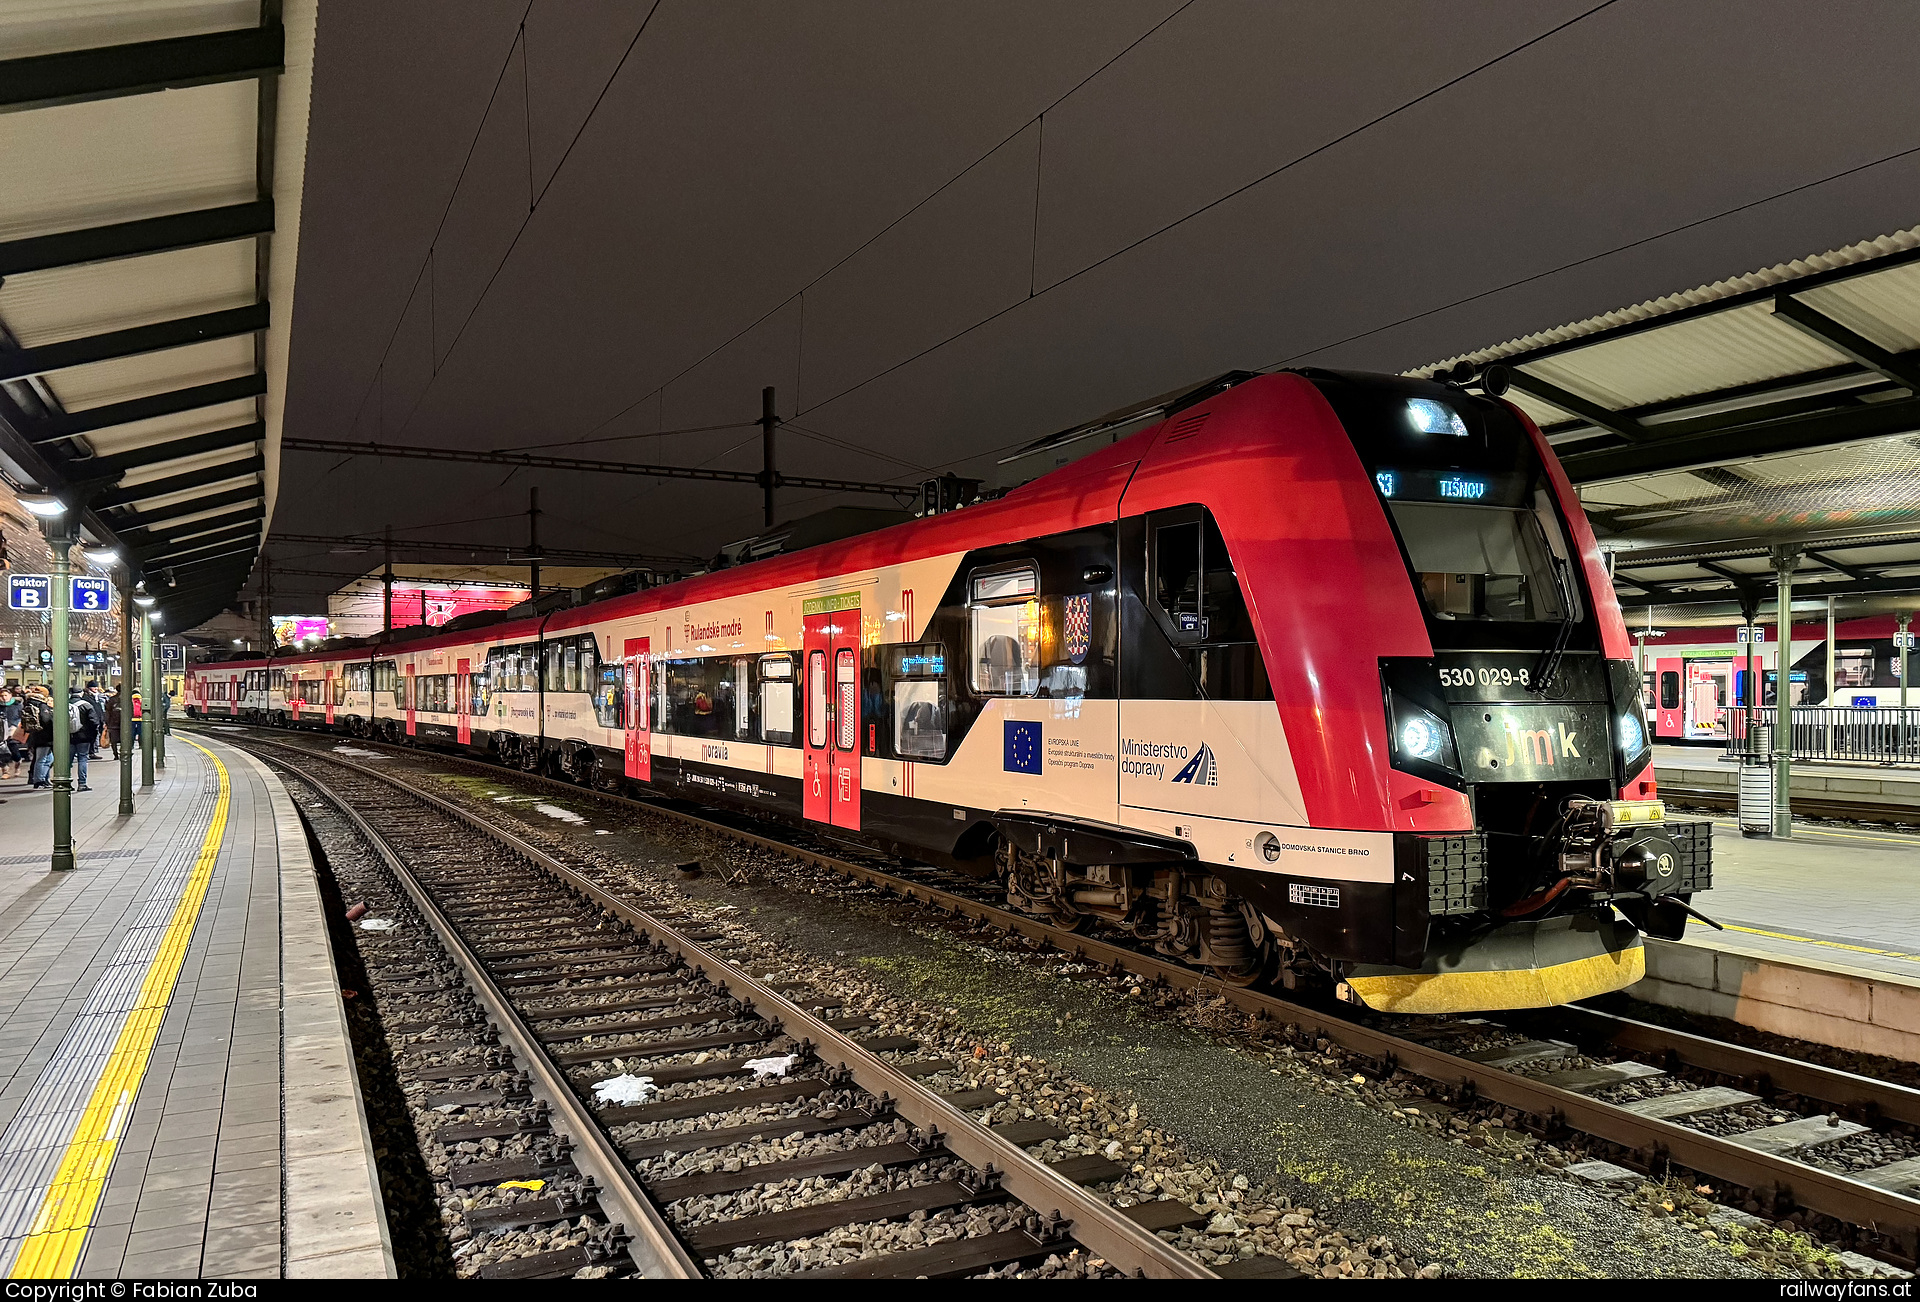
[233, 696]
[328, 688]
[295, 699]
[409, 686]
[463, 684]
[1670, 718]
[635, 701]
[830, 748]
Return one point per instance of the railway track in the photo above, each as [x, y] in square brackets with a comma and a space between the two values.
[538, 985]
[1700, 1100]
[1843, 811]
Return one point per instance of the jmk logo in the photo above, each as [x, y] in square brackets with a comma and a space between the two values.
[1200, 769]
[1536, 745]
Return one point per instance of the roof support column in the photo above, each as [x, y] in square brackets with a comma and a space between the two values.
[1833, 695]
[1785, 559]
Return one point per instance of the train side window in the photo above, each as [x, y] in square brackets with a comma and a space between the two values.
[776, 700]
[1003, 632]
[743, 699]
[846, 707]
[816, 699]
[919, 675]
[1669, 690]
[570, 670]
[1201, 607]
[608, 692]
[589, 665]
[554, 652]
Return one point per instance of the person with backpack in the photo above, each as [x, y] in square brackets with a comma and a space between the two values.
[37, 718]
[85, 725]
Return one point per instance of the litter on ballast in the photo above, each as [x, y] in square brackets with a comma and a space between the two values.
[625, 1089]
[772, 1066]
[533, 1186]
[377, 924]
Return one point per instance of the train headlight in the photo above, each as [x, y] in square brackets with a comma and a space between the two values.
[1421, 737]
[1430, 417]
[1632, 734]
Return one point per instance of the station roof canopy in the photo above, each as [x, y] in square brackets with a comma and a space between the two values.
[151, 155]
[1708, 429]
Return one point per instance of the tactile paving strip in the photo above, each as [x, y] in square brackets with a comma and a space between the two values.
[36, 1144]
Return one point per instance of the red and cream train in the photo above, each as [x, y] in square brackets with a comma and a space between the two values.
[1322, 671]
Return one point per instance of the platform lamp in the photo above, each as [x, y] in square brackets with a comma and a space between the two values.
[56, 522]
[123, 580]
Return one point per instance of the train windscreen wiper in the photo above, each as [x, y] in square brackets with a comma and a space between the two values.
[1549, 667]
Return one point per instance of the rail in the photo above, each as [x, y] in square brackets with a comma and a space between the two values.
[1092, 1222]
[1867, 735]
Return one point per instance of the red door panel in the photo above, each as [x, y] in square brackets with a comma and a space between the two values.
[328, 689]
[830, 741]
[409, 686]
[463, 683]
[636, 706]
[846, 728]
[816, 734]
[1670, 719]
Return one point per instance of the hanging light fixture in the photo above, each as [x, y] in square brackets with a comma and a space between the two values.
[142, 597]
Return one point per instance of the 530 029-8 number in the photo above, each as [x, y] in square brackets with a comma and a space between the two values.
[1483, 677]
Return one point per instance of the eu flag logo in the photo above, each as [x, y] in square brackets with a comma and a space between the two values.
[1023, 747]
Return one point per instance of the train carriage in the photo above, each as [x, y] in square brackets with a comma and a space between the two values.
[1321, 672]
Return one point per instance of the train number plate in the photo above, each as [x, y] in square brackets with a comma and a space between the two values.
[1513, 676]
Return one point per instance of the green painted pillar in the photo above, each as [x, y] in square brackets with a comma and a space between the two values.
[146, 701]
[60, 539]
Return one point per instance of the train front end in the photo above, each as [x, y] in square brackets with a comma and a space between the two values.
[1526, 705]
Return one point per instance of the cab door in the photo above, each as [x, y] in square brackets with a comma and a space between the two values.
[463, 684]
[830, 743]
[409, 686]
[635, 700]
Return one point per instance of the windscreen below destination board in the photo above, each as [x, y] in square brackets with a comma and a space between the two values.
[1466, 487]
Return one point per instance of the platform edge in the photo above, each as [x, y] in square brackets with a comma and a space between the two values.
[335, 1222]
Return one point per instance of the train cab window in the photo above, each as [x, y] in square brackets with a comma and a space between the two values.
[1004, 632]
[1669, 690]
[1481, 562]
[817, 699]
[776, 700]
[919, 675]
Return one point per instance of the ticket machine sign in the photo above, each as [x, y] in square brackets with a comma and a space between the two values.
[29, 592]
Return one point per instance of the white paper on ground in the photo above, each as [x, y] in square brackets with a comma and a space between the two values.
[624, 1089]
[377, 924]
[772, 1066]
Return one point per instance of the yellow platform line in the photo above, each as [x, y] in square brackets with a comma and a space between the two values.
[1830, 944]
[51, 1249]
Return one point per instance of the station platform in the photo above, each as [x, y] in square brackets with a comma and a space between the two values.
[177, 1087]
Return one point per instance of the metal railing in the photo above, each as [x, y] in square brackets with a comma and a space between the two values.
[1864, 736]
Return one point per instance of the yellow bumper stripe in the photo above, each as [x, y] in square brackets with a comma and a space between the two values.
[51, 1249]
[1476, 992]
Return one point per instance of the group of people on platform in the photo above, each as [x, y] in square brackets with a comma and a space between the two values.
[29, 716]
